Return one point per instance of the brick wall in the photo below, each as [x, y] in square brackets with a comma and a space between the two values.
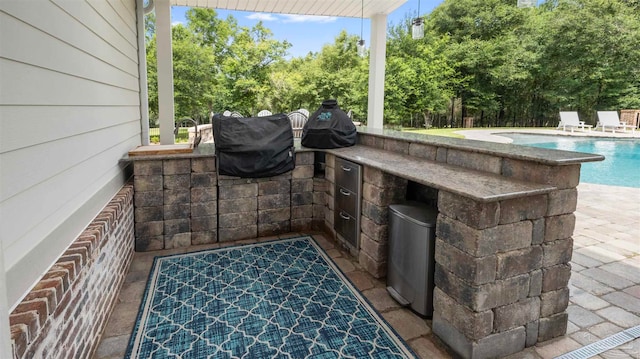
[64, 315]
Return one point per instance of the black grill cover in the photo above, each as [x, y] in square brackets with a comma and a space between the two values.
[329, 127]
[253, 146]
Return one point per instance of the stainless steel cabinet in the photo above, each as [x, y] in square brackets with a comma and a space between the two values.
[348, 193]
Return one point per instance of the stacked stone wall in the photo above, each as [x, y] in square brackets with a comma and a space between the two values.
[329, 204]
[379, 190]
[502, 268]
[175, 203]
[65, 313]
[204, 201]
[502, 271]
[303, 196]
[237, 208]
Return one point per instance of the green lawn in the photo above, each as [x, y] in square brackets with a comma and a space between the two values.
[183, 135]
[447, 132]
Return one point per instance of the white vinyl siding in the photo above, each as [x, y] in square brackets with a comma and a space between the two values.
[69, 111]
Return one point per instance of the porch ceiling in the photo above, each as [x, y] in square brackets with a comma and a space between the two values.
[341, 8]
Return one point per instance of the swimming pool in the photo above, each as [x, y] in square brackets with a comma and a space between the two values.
[621, 166]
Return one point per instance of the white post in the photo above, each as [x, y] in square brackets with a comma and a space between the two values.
[377, 59]
[142, 71]
[5, 332]
[165, 72]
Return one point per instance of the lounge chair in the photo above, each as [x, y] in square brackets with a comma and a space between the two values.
[228, 113]
[298, 119]
[570, 119]
[264, 113]
[610, 119]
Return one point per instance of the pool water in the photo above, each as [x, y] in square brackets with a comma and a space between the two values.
[621, 166]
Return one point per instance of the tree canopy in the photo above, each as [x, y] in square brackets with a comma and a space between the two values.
[486, 59]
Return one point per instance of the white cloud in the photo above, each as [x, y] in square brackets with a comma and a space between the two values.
[262, 17]
[309, 18]
[176, 23]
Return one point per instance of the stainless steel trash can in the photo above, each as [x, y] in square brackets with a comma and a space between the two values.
[411, 255]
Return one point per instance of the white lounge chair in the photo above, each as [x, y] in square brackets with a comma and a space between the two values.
[570, 119]
[264, 113]
[228, 113]
[610, 119]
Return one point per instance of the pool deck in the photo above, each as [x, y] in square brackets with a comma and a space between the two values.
[493, 135]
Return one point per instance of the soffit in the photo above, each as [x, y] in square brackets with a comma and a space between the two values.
[341, 8]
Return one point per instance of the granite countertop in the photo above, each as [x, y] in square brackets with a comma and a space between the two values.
[540, 155]
[480, 186]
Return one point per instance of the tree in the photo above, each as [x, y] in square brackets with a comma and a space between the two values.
[591, 58]
[243, 59]
[193, 74]
[486, 51]
[418, 79]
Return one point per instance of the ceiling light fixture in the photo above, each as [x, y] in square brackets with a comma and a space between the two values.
[417, 26]
[527, 3]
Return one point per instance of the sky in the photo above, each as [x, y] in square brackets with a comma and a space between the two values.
[310, 33]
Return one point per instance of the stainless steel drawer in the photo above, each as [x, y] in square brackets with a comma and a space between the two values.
[347, 227]
[347, 201]
[348, 175]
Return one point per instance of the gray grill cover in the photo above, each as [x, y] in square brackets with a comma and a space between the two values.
[253, 146]
[329, 127]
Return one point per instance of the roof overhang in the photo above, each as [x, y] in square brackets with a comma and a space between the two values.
[341, 8]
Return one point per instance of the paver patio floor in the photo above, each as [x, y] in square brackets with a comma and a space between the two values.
[604, 286]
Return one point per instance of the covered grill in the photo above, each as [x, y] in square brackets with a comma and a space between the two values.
[253, 146]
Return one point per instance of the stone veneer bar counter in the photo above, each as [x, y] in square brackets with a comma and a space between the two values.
[503, 233]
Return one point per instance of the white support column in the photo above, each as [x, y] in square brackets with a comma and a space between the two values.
[5, 332]
[165, 72]
[142, 73]
[377, 59]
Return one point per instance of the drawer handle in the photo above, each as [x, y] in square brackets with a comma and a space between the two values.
[343, 216]
[344, 193]
[346, 169]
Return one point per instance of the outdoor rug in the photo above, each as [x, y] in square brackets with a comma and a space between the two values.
[279, 299]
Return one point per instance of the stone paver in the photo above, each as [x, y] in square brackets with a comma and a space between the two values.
[407, 324]
[381, 299]
[600, 254]
[619, 317]
[113, 347]
[427, 347]
[588, 284]
[589, 301]
[582, 317]
[608, 278]
[625, 268]
[634, 291]
[556, 347]
[604, 330]
[632, 348]
[584, 260]
[624, 301]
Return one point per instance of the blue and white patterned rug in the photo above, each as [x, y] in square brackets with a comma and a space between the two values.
[280, 299]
